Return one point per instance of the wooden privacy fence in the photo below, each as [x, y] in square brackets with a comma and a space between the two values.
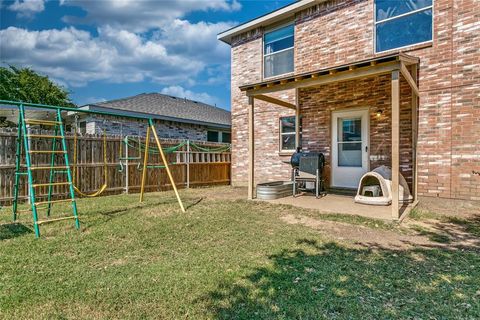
[192, 163]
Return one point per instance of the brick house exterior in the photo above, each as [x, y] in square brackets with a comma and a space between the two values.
[338, 32]
[176, 118]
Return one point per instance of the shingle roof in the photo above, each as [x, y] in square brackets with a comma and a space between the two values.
[171, 107]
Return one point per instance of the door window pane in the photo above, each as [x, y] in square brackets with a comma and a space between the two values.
[403, 31]
[350, 142]
[350, 129]
[350, 154]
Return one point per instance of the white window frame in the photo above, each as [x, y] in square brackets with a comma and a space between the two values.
[375, 23]
[282, 134]
[283, 50]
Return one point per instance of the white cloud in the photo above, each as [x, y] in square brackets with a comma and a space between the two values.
[74, 56]
[142, 15]
[174, 52]
[27, 8]
[178, 91]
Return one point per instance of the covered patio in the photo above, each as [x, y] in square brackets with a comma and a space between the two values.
[394, 65]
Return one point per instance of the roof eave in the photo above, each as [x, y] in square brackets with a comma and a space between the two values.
[269, 18]
[121, 112]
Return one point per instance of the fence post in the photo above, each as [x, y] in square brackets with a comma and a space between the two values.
[188, 163]
[126, 166]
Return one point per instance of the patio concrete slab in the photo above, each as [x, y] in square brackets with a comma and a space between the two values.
[334, 203]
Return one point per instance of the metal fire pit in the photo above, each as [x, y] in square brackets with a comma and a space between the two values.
[274, 190]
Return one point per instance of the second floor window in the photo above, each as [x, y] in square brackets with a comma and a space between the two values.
[278, 51]
[401, 23]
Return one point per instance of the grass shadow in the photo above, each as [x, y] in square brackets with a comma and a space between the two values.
[330, 281]
[462, 232]
[13, 230]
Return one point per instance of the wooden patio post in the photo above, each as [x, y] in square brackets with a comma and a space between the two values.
[395, 143]
[251, 148]
[415, 134]
[297, 119]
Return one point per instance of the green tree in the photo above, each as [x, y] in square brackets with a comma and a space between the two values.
[24, 84]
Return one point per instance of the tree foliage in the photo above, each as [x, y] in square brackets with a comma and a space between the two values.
[24, 84]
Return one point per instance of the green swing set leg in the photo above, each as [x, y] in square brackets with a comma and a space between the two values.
[69, 170]
[52, 171]
[18, 159]
[30, 177]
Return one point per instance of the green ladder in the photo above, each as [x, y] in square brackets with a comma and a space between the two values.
[59, 133]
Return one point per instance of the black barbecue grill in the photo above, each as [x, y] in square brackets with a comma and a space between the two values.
[307, 169]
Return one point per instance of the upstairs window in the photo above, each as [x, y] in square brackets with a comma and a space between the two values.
[401, 23]
[287, 133]
[278, 51]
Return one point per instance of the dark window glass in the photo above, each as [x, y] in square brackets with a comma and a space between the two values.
[279, 45]
[279, 63]
[287, 133]
[288, 142]
[212, 136]
[403, 31]
[288, 124]
[391, 8]
[278, 51]
[226, 137]
[279, 34]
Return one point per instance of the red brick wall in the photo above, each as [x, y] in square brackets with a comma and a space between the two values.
[317, 105]
[341, 31]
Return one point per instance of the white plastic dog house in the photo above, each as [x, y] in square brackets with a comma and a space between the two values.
[381, 177]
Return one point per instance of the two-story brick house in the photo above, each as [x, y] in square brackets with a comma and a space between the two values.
[367, 83]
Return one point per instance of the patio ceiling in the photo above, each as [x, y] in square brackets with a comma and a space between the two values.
[355, 70]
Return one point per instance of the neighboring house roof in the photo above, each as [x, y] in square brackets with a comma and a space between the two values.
[165, 107]
[267, 19]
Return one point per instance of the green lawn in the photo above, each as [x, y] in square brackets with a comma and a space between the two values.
[223, 259]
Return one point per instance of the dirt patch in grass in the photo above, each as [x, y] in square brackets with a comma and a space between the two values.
[360, 235]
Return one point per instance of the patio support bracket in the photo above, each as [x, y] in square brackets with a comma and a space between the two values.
[275, 101]
[406, 74]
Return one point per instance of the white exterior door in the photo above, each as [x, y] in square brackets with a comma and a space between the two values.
[349, 147]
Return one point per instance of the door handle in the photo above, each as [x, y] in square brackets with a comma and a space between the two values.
[366, 148]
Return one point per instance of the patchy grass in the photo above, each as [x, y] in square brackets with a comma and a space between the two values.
[223, 259]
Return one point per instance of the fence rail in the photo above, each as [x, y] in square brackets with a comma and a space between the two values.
[190, 166]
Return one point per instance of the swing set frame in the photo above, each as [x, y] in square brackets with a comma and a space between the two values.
[58, 109]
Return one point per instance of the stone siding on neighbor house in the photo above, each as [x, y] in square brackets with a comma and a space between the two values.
[340, 32]
[165, 129]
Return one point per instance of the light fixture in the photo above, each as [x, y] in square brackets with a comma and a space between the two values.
[379, 113]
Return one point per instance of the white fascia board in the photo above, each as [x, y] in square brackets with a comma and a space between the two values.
[267, 19]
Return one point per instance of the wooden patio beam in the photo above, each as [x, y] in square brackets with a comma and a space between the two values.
[406, 74]
[276, 101]
[361, 72]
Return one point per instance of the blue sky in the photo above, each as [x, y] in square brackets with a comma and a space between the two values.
[108, 49]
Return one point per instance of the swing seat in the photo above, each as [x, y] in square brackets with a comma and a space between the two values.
[91, 195]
